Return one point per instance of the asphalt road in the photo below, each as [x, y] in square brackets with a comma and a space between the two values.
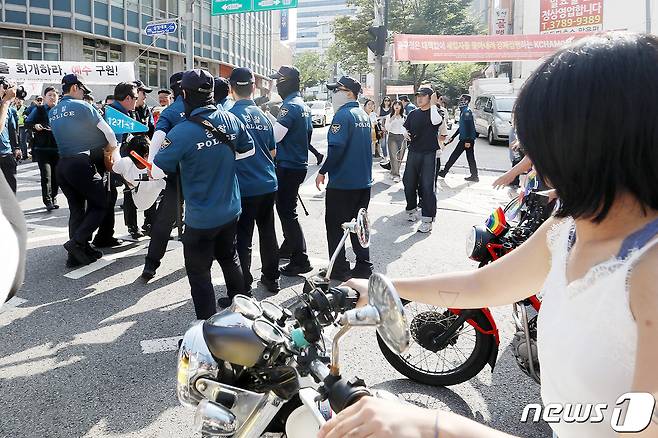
[90, 352]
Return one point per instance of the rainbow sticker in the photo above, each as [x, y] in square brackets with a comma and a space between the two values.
[496, 223]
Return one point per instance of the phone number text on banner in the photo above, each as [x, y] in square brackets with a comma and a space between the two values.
[52, 71]
[559, 16]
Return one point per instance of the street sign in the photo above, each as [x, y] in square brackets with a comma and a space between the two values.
[160, 28]
[223, 7]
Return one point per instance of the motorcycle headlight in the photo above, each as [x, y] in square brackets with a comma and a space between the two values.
[476, 243]
[194, 361]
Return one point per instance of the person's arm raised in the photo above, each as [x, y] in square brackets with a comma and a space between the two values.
[528, 266]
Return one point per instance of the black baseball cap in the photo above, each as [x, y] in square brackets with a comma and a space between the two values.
[286, 72]
[347, 82]
[465, 96]
[197, 80]
[142, 86]
[220, 88]
[425, 90]
[74, 79]
[242, 76]
[174, 80]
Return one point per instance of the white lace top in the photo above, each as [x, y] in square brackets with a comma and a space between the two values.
[586, 334]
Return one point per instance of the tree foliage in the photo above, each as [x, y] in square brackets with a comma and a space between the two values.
[424, 17]
[313, 69]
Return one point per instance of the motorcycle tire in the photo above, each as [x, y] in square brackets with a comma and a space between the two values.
[474, 363]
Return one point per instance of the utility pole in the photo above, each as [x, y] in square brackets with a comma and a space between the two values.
[380, 13]
[648, 15]
[189, 34]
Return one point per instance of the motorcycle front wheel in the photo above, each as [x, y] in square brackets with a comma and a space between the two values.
[461, 359]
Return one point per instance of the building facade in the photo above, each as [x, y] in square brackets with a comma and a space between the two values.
[315, 24]
[113, 30]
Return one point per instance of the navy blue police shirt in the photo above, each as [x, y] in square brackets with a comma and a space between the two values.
[256, 174]
[207, 166]
[467, 125]
[73, 123]
[292, 151]
[171, 116]
[349, 156]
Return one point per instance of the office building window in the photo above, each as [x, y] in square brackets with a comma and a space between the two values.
[100, 51]
[11, 48]
[34, 46]
[42, 51]
[62, 5]
[154, 69]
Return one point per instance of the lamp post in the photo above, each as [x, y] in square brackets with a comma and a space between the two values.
[189, 34]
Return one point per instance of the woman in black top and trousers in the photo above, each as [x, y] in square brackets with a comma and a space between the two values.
[44, 147]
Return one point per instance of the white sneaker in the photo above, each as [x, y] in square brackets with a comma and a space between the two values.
[425, 227]
[412, 215]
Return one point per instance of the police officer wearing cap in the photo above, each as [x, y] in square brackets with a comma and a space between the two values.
[258, 184]
[78, 129]
[142, 112]
[221, 93]
[292, 132]
[467, 135]
[349, 167]
[206, 147]
[165, 215]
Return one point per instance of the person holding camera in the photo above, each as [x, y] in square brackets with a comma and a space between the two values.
[9, 148]
[79, 129]
[422, 127]
[44, 147]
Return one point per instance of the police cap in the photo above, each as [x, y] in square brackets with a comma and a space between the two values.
[286, 72]
[242, 76]
[74, 79]
[174, 80]
[347, 82]
[425, 90]
[197, 80]
[220, 88]
[141, 86]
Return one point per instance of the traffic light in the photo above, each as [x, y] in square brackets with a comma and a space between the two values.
[377, 43]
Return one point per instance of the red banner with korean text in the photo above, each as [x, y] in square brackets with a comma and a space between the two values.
[560, 16]
[429, 49]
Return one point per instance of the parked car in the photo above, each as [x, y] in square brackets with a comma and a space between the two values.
[493, 116]
[322, 112]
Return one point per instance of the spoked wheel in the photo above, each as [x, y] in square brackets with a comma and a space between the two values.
[462, 357]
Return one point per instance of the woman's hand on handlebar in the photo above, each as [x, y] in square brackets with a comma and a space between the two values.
[361, 286]
[372, 417]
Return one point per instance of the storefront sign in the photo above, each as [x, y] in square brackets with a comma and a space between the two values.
[500, 24]
[428, 49]
[559, 16]
[52, 71]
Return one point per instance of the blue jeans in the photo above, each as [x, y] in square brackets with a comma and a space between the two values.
[384, 145]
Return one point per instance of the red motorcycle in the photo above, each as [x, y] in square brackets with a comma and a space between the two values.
[450, 346]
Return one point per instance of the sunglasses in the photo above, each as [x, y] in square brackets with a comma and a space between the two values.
[339, 89]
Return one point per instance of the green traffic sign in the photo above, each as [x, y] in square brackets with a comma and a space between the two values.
[223, 7]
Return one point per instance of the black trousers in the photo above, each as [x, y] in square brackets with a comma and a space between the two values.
[438, 167]
[86, 195]
[163, 222]
[313, 150]
[286, 206]
[200, 248]
[106, 229]
[470, 156]
[8, 165]
[48, 169]
[130, 212]
[342, 206]
[258, 211]
[419, 180]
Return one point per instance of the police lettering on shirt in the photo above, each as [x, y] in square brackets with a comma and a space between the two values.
[73, 124]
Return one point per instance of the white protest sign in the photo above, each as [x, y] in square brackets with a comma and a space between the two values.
[20, 71]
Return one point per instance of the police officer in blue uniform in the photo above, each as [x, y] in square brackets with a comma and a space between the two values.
[165, 215]
[258, 184]
[349, 167]
[292, 132]
[221, 93]
[79, 129]
[206, 147]
[467, 136]
[10, 150]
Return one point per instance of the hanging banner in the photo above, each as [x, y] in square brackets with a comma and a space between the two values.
[400, 89]
[560, 16]
[52, 71]
[500, 24]
[429, 49]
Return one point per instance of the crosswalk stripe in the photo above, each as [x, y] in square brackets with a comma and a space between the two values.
[159, 345]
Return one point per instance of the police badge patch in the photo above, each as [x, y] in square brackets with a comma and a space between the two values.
[283, 112]
[165, 143]
[335, 128]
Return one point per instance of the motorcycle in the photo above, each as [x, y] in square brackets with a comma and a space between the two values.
[450, 346]
[257, 368]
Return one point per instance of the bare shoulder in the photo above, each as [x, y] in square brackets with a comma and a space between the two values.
[643, 292]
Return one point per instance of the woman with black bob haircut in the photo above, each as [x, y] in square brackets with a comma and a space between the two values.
[594, 261]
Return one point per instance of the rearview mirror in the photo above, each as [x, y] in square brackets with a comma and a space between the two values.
[392, 325]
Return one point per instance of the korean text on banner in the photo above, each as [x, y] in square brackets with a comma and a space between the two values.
[53, 71]
[428, 49]
[560, 16]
